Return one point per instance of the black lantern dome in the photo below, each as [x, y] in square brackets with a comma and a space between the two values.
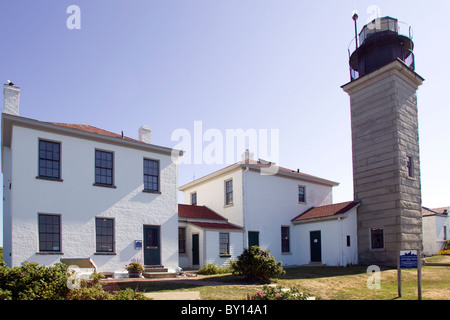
[380, 42]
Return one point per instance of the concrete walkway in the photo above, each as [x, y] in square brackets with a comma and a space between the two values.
[191, 295]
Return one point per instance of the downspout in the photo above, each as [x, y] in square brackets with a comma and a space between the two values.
[341, 246]
[244, 204]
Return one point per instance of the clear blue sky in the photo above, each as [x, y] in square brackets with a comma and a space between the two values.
[250, 64]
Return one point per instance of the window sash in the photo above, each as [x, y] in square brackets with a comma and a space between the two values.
[194, 198]
[182, 240]
[49, 233]
[301, 194]
[104, 163]
[151, 175]
[377, 238]
[224, 243]
[285, 239]
[104, 235]
[229, 192]
[49, 159]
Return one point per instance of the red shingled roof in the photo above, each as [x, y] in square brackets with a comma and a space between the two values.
[202, 212]
[197, 212]
[432, 212]
[212, 225]
[326, 211]
[88, 128]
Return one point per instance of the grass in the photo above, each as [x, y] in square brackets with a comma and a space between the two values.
[324, 283]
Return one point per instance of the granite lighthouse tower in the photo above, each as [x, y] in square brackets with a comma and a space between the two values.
[385, 140]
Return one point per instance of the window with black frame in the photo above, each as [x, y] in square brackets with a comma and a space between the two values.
[49, 233]
[182, 240]
[49, 159]
[224, 246]
[151, 175]
[229, 192]
[104, 168]
[285, 239]
[104, 235]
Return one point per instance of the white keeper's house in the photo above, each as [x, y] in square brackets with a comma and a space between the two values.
[285, 211]
[78, 192]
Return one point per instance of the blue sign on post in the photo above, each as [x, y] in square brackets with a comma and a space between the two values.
[408, 259]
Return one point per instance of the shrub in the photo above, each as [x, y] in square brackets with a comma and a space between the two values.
[278, 293]
[214, 269]
[34, 282]
[257, 265]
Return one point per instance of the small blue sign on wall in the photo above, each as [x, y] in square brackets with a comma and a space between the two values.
[408, 259]
[138, 244]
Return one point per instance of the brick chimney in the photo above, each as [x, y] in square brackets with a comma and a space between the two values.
[11, 94]
[145, 134]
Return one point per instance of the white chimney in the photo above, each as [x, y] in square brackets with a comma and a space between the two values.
[247, 155]
[11, 93]
[145, 134]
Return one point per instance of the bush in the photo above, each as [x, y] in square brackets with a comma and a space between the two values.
[257, 265]
[34, 282]
[278, 293]
[214, 269]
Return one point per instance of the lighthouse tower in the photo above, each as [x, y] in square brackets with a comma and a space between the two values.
[385, 141]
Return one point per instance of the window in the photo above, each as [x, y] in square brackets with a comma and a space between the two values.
[228, 192]
[285, 239]
[49, 233]
[49, 159]
[301, 194]
[104, 235]
[409, 167]
[348, 241]
[445, 233]
[194, 198]
[182, 240]
[224, 239]
[151, 175]
[104, 168]
[377, 238]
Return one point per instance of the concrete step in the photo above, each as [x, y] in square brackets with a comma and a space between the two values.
[149, 269]
[159, 275]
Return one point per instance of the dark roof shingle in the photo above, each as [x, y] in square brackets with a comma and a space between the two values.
[326, 211]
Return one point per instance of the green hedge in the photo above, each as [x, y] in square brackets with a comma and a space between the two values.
[32, 281]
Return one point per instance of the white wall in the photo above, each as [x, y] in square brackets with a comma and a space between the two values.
[212, 195]
[272, 202]
[333, 241]
[212, 247]
[433, 233]
[79, 202]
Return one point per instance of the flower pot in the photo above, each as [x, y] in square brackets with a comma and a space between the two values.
[134, 274]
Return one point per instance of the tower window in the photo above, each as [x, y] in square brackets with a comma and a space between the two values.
[409, 167]
[377, 238]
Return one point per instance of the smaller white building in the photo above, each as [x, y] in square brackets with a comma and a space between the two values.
[327, 235]
[275, 209]
[206, 237]
[435, 228]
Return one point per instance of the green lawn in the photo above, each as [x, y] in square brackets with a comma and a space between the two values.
[324, 283]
